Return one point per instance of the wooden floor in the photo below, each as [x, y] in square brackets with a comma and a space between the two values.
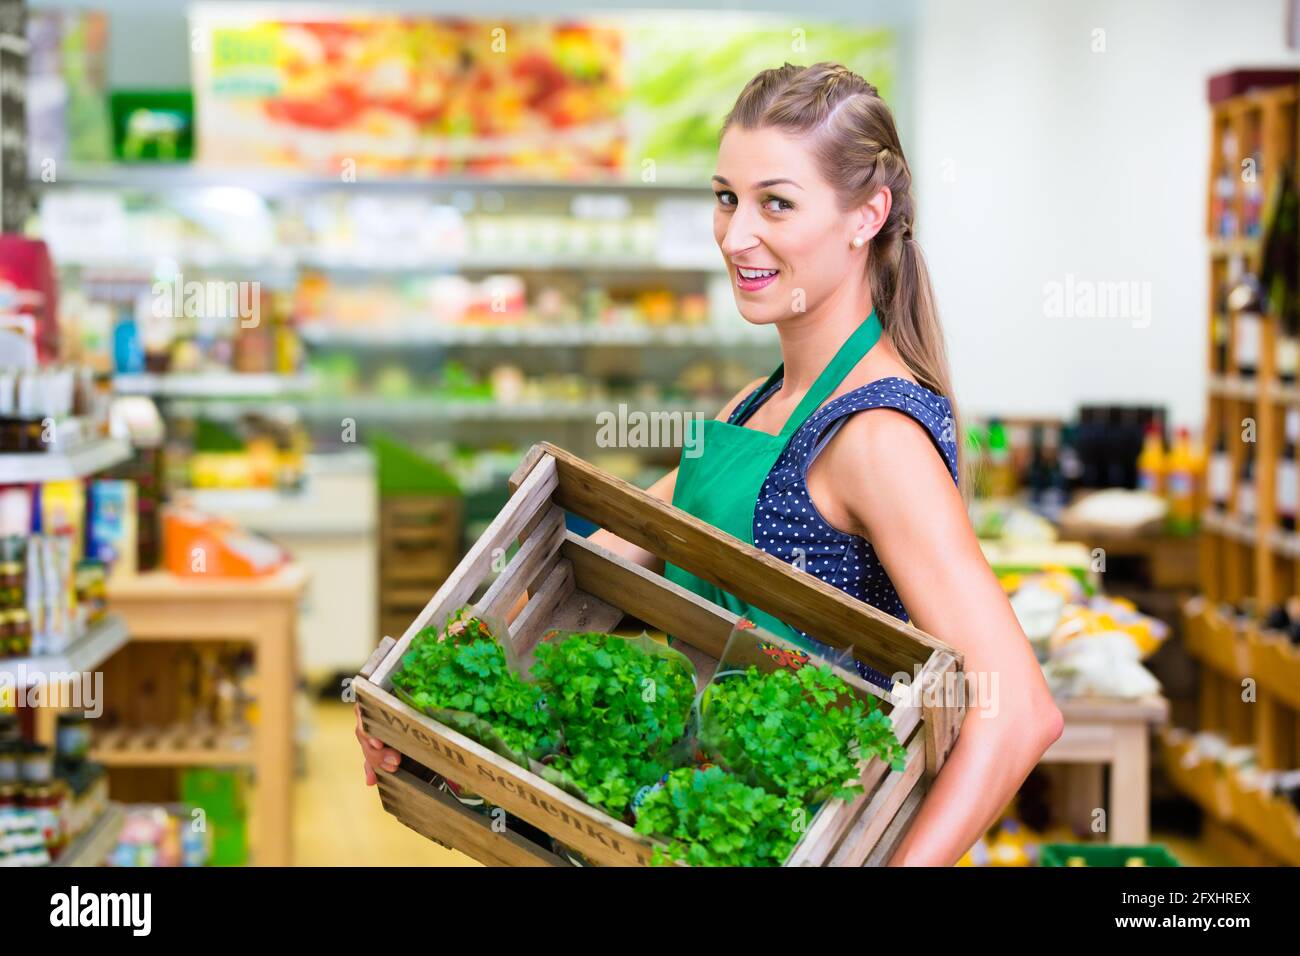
[338, 821]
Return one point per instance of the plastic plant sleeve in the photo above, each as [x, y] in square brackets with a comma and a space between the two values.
[465, 626]
[752, 647]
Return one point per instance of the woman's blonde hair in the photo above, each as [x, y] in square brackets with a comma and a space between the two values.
[850, 131]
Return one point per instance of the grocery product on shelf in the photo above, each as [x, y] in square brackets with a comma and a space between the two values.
[196, 545]
[50, 408]
[1088, 645]
[160, 836]
[56, 800]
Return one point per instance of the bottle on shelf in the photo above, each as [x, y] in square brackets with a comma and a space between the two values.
[1219, 475]
[1001, 474]
[1244, 301]
[1246, 487]
[1279, 275]
[1219, 331]
[1223, 210]
[1180, 490]
[1252, 193]
[1151, 461]
[1286, 471]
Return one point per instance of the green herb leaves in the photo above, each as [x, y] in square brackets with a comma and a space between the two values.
[796, 733]
[467, 671]
[710, 818]
[621, 708]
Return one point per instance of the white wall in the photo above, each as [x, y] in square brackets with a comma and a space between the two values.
[1067, 161]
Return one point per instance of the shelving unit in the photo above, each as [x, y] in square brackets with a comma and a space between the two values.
[85, 459]
[94, 846]
[261, 613]
[1244, 560]
[214, 385]
[99, 644]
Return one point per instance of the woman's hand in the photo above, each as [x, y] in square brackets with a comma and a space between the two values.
[885, 474]
[378, 757]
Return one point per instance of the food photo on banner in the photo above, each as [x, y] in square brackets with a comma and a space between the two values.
[859, 435]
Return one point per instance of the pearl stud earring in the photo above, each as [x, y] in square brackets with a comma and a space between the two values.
[858, 242]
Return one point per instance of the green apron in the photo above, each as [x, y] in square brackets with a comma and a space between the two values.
[721, 485]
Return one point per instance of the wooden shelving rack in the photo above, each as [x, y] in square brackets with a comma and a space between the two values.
[1241, 560]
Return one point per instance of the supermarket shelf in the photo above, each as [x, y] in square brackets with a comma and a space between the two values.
[437, 409]
[1285, 394]
[101, 643]
[1237, 246]
[1224, 794]
[212, 384]
[93, 847]
[1234, 386]
[286, 263]
[1228, 526]
[85, 459]
[1269, 659]
[172, 747]
[507, 262]
[1284, 543]
[156, 177]
[539, 335]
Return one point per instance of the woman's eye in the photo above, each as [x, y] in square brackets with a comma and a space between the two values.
[782, 205]
[723, 199]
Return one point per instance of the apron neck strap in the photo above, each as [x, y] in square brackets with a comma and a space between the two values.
[858, 344]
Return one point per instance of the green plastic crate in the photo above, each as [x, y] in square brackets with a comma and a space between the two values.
[1104, 854]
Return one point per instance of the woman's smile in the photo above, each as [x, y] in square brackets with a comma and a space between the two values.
[751, 280]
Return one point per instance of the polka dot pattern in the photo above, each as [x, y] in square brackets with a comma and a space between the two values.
[788, 525]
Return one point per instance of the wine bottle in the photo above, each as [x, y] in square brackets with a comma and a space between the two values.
[1244, 300]
[1219, 331]
[1219, 475]
[1286, 472]
[1246, 488]
[1279, 274]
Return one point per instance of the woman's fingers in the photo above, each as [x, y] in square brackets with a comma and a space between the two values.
[376, 754]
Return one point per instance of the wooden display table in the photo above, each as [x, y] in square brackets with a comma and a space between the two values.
[1101, 731]
[261, 613]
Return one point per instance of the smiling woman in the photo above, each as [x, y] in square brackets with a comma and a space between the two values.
[814, 219]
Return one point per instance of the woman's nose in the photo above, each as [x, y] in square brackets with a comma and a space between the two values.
[740, 234]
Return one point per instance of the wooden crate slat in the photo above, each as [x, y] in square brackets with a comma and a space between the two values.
[898, 827]
[441, 818]
[885, 803]
[828, 830]
[534, 492]
[590, 832]
[802, 600]
[527, 628]
[523, 567]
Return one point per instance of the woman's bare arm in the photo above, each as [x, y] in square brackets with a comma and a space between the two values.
[887, 474]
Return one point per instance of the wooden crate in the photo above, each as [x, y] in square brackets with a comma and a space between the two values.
[419, 543]
[573, 584]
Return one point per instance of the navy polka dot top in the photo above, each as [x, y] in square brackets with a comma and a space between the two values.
[788, 525]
